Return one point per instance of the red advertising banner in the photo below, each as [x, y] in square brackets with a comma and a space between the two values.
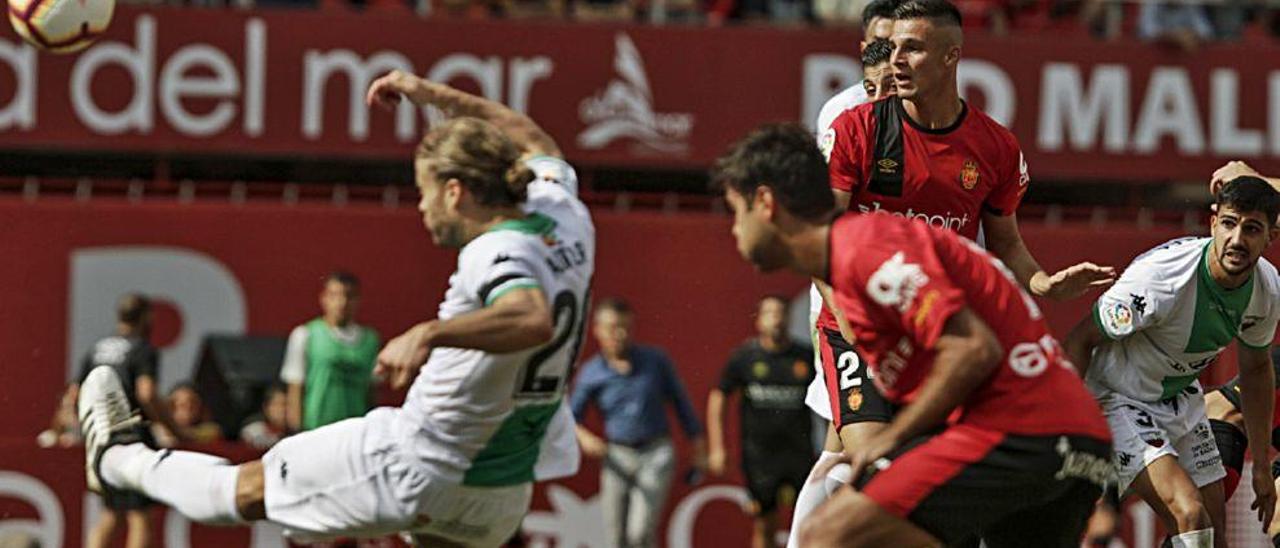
[289, 83]
[256, 268]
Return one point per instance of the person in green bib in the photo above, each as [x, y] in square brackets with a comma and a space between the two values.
[1171, 314]
[328, 364]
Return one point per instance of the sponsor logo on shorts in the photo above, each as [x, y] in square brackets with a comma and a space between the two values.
[1154, 440]
[1124, 459]
[1082, 465]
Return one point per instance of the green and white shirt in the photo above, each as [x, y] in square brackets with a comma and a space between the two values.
[500, 419]
[1166, 320]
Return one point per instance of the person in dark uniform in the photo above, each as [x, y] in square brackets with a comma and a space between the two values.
[135, 361]
[773, 374]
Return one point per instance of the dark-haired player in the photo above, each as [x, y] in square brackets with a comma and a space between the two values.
[997, 436]
[924, 154]
[770, 372]
[1148, 338]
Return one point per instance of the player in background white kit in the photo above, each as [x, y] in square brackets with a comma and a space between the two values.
[485, 416]
[877, 83]
[1148, 338]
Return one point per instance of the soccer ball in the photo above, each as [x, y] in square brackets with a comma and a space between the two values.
[60, 26]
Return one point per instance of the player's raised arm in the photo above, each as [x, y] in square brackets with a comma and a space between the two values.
[1234, 169]
[1257, 392]
[387, 90]
[1005, 242]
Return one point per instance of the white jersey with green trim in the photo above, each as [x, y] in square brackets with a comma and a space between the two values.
[499, 419]
[1166, 320]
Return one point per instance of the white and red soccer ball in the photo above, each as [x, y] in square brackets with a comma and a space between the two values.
[60, 26]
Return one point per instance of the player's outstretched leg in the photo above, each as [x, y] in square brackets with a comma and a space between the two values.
[201, 487]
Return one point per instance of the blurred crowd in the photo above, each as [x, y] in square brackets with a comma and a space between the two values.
[1183, 24]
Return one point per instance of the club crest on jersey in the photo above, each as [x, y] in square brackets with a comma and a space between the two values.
[969, 174]
[760, 370]
[800, 369]
[1118, 319]
[855, 399]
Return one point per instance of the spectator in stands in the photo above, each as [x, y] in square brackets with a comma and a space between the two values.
[264, 429]
[328, 363]
[619, 11]
[772, 372]
[631, 384]
[136, 362]
[189, 417]
[1182, 23]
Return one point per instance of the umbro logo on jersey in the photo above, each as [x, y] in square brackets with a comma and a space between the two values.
[887, 165]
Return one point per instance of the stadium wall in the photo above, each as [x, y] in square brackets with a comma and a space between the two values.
[255, 268]
[264, 82]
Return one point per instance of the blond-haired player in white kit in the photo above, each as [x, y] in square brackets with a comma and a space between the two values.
[485, 416]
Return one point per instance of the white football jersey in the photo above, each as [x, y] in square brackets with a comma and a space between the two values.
[1166, 320]
[500, 419]
[852, 96]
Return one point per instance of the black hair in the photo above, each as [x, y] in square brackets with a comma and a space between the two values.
[935, 10]
[786, 303]
[1250, 194]
[882, 9]
[877, 52]
[785, 158]
[616, 304]
[188, 385]
[343, 277]
[132, 307]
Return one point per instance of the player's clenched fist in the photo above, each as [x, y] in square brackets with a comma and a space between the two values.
[401, 358]
[385, 92]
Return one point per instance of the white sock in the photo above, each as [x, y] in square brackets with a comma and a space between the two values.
[201, 487]
[811, 495]
[1200, 538]
[839, 476]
